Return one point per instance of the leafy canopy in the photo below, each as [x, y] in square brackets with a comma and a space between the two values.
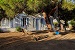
[13, 7]
[68, 4]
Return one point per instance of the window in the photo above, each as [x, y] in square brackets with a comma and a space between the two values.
[34, 22]
[24, 21]
[42, 22]
[27, 22]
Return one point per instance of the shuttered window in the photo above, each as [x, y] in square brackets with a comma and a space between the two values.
[34, 22]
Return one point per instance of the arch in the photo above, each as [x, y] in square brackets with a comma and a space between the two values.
[5, 23]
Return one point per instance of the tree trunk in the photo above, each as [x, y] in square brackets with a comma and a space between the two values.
[46, 17]
[47, 20]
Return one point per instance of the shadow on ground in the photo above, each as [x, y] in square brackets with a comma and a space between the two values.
[25, 43]
[46, 31]
[40, 32]
[66, 32]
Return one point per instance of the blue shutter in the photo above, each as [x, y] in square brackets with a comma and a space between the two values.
[42, 22]
[28, 22]
[34, 22]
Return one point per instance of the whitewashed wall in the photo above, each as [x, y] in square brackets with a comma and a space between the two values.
[32, 23]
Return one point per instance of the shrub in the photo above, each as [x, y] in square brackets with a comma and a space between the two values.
[1, 31]
[55, 23]
[19, 29]
[72, 23]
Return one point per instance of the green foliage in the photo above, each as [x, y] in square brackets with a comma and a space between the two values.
[12, 7]
[68, 4]
[72, 22]
[33, 4]
[67, 9]
[19, 29]
[55, 23]
[36, 5]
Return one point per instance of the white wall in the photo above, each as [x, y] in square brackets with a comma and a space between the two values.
[18, 21]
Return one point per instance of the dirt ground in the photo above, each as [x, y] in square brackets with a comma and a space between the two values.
[40, 40]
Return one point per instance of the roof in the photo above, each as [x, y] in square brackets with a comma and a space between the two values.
[30, 16]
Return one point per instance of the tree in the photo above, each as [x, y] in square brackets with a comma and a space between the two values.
[68, 4]
[2, 13]
[67, 10]
[12, 7]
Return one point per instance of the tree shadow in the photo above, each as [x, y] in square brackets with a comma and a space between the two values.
[24, 44]
[46, 31]
[67, 32]
[40, 32]
[73, 31]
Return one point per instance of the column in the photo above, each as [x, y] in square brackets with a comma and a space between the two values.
[9, 23]
[20, 23]
[13, 22]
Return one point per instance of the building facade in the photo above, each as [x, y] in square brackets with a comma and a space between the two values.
[30, 23]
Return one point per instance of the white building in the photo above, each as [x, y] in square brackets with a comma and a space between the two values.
[31, 23]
